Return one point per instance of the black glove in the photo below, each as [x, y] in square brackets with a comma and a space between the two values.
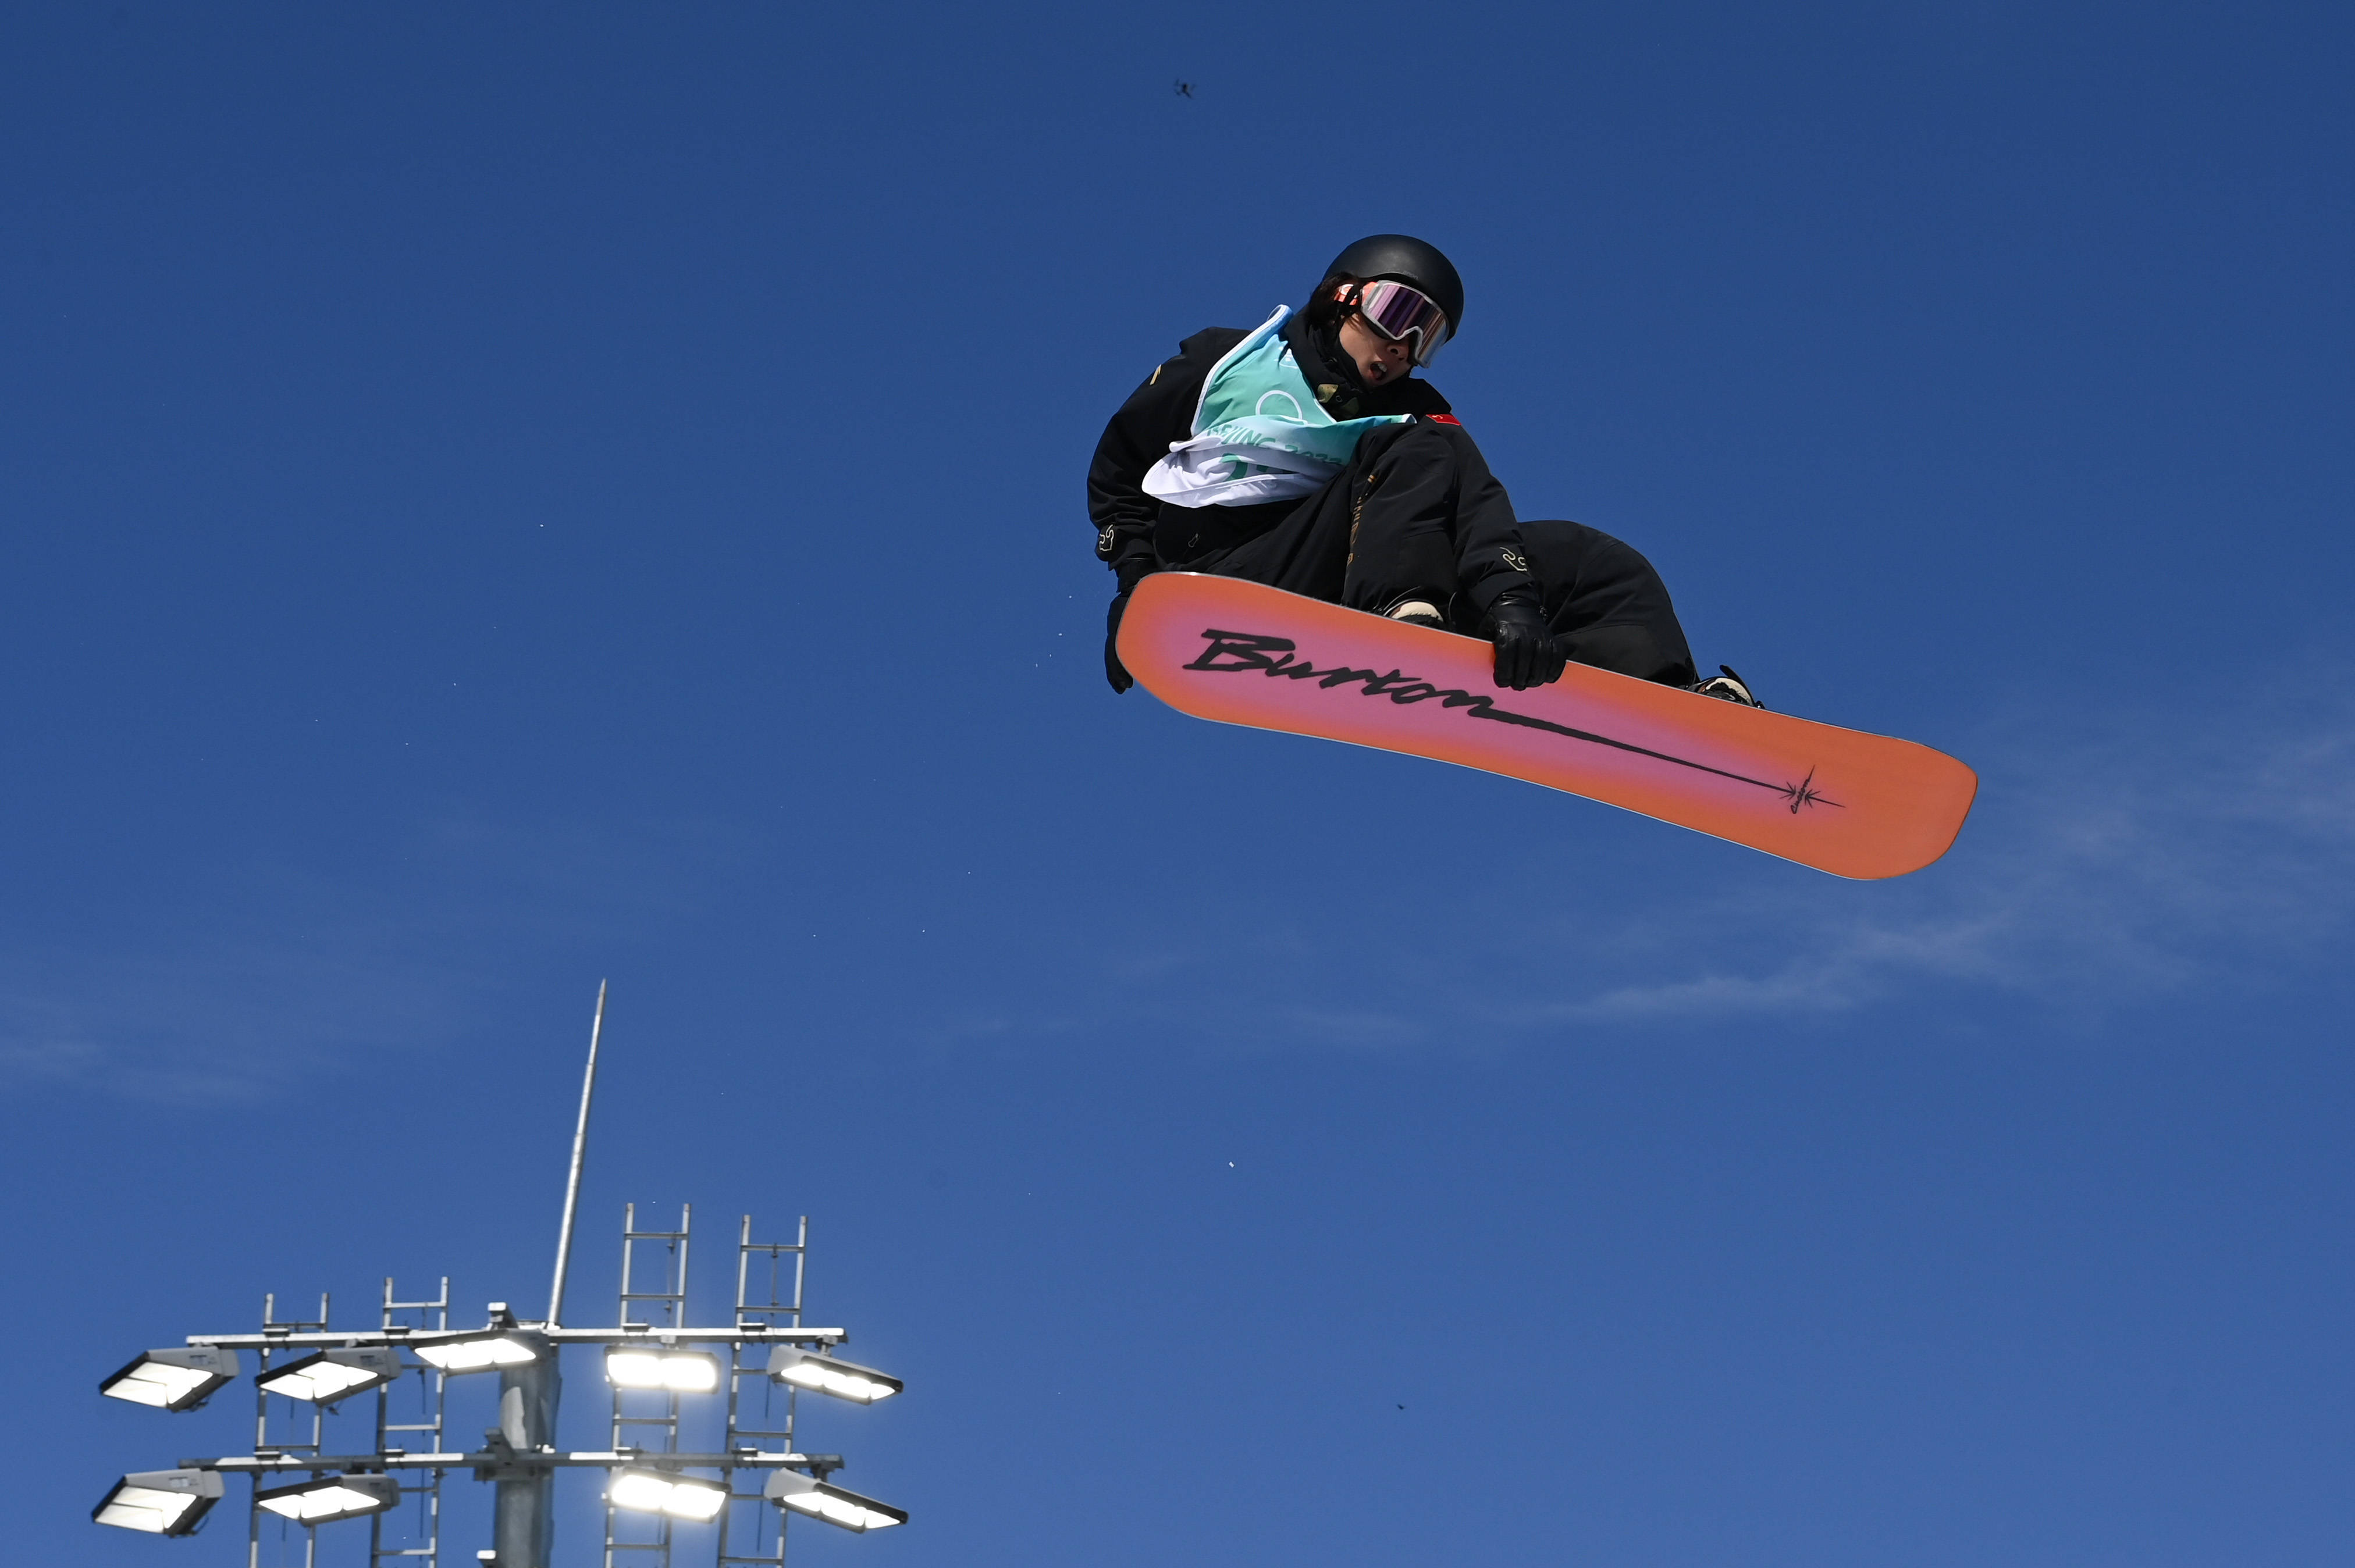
[1526, 654]
[1115, 671]
[1130, 572]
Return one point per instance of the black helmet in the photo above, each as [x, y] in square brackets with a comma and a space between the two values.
[1409, 261]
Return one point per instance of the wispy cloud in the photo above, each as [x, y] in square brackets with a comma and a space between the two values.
[223, 1016]
[284, 973]
[2209, 846]
[2197, 849]
[2156, 852]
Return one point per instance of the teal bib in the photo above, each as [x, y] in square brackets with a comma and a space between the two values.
[1260, 434]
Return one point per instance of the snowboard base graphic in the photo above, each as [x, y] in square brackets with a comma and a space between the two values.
[1847, 802]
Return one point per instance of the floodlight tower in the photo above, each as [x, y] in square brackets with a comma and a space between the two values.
[308, 1362]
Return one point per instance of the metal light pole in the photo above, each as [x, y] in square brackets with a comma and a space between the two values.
[580, 1157]
[523, 1527]
[523, 1516]
[766, 1346]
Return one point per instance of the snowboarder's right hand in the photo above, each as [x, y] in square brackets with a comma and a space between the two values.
[1526, 654]
[1115, 671]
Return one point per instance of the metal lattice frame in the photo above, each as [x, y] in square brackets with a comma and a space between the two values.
[287, 1446]
[424, 1545]
[766, 1313]
[275, 1333]
[665, 1309]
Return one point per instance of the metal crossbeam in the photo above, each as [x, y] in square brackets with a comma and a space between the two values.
[747, 1333]
[484, 1458]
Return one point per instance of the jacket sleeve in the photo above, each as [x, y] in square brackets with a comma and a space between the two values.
[1157, 414]
[1489, 560]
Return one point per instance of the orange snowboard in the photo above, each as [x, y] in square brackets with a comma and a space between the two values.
[1839, 800]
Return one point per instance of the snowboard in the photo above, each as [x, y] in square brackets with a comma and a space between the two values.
[1853, 804]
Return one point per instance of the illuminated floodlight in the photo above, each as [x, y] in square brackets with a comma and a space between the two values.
[822, 1373]
[326, 1376]
[681, 1372]
[161, 1502]
[330, 1498]
[681, 1497]
[481, 1351]
[175, 1379]
[836, 1505]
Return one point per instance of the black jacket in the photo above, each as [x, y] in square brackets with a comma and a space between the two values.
[1136, 534]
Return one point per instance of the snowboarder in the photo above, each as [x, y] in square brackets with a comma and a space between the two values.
[1306, 455]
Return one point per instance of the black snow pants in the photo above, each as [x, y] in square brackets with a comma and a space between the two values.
[1604, 604]
[1385, 530]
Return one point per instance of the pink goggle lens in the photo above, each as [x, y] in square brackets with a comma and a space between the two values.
[1398, 311]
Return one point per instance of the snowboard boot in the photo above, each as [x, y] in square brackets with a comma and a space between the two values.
[1418, 613]
[1729, 687]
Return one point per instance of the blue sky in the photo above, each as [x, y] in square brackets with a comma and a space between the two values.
[498, 497]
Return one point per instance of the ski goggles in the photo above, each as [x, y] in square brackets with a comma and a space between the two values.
[1395, 310]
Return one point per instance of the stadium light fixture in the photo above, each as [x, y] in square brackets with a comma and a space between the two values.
[487, 1351]
[326, 1376]
[822, 1373]
[305, 1360]
[328, 1498]
[173, 1378]
[681, 1372]
[836, 1505]
[161, 1502]
[681, 1497]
